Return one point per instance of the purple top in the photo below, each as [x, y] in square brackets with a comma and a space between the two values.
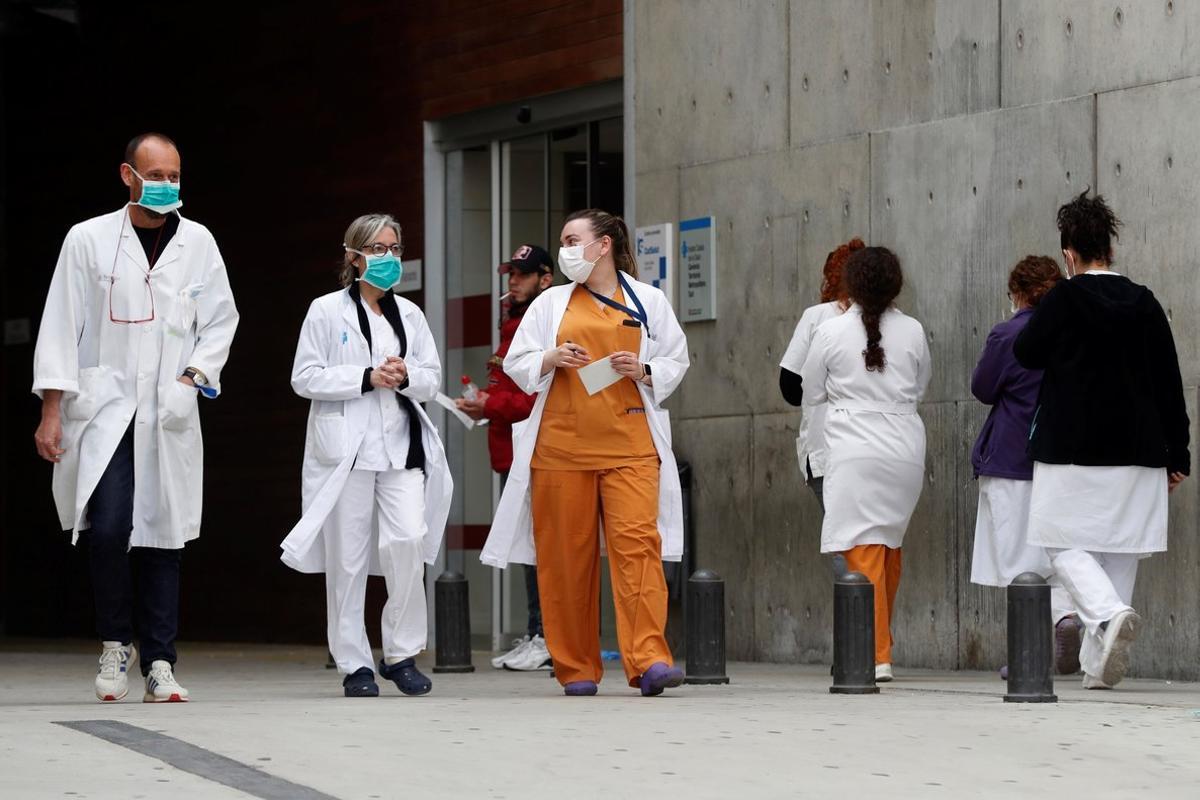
[1012, 392]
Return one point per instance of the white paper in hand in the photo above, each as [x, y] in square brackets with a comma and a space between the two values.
[448, 404]
[599, 375]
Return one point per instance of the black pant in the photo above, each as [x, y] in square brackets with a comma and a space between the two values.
[533, 601]
[116, 568]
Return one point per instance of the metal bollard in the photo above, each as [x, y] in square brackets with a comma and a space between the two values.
[453, 619]
[1030, 641]
[853, 635]
[706, 629]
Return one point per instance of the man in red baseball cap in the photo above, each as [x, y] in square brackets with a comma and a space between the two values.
[529, 271]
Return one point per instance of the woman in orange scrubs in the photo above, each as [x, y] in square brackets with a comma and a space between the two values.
[599, 458]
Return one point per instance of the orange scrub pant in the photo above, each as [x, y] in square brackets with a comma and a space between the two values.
[567, 506]
[881, 564]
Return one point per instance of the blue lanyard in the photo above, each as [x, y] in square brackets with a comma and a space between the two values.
[639, 314]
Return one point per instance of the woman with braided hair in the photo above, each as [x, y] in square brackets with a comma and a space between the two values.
[871, 365]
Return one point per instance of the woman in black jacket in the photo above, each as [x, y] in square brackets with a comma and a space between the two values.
[1109, 437]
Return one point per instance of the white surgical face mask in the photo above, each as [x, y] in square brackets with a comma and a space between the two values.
[573, 264]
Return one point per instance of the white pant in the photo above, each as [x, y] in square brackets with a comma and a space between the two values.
[1101, 586]
[1001, 552]
[395, 499]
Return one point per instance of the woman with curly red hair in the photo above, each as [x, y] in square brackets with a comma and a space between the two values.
[871, 365]
[1002, 466]
[810, 444]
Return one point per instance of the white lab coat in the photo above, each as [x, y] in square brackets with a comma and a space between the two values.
[810, 444]
[511, 536]
[328, 370]
[1119, 509]
[108, 371]
[875, 437]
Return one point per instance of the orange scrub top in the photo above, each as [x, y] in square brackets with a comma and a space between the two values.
[601, 431]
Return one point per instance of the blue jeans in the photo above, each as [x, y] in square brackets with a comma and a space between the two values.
[117, 570]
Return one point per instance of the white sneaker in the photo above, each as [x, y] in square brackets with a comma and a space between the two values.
[518, 646]
[112, 679]
[883, 673]
[533, 658]
[1092, 682]
[1118, 636]
[161, 686]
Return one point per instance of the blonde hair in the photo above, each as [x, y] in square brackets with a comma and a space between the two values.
[361, 233]
[612, 226]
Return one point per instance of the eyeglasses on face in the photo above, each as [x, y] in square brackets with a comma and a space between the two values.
[378, 249]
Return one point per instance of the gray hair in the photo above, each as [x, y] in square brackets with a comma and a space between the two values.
[361, 233]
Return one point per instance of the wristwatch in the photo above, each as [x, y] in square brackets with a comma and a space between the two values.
[645, 371]
[195, 376]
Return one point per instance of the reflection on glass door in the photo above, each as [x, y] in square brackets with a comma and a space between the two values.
[498, 197]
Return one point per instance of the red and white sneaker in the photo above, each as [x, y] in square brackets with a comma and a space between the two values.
[112, 679]
[161, 686]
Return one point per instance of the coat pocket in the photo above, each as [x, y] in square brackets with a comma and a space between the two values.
[329, 438]
[177, 409]
[83, 405]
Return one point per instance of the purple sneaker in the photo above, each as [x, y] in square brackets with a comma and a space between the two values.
[1067, 639]
[659, 677]
[580, 689]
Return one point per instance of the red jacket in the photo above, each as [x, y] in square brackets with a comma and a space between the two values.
[506, 403]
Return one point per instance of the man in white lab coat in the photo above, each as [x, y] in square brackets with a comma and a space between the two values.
[138, 323]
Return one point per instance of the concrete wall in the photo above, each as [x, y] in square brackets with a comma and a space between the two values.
[949, 130]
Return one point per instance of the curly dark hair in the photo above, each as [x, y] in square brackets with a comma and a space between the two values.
[1032, 277]
[833, 287]
[873, 279]
[1087, 225]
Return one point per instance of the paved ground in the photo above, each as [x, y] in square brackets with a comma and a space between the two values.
[773, 732]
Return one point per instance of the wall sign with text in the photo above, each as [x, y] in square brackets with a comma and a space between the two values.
[655, 250]
[698, 266]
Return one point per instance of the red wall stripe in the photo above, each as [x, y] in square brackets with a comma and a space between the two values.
[469, 321]
[466, 537]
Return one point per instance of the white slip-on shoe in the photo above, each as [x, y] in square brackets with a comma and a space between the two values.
[883, 673]
[1118, 636]
[533, 658]
[112, 679]
[161, 686]
[1092, 682]
[519, 645]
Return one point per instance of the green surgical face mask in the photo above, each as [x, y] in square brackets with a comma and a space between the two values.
[158, 196]
[382, 272]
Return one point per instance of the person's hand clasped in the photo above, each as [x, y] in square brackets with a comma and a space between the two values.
[628, 365]
[1174, 479]
[473, 408]
[390, 374]
[569, 354]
